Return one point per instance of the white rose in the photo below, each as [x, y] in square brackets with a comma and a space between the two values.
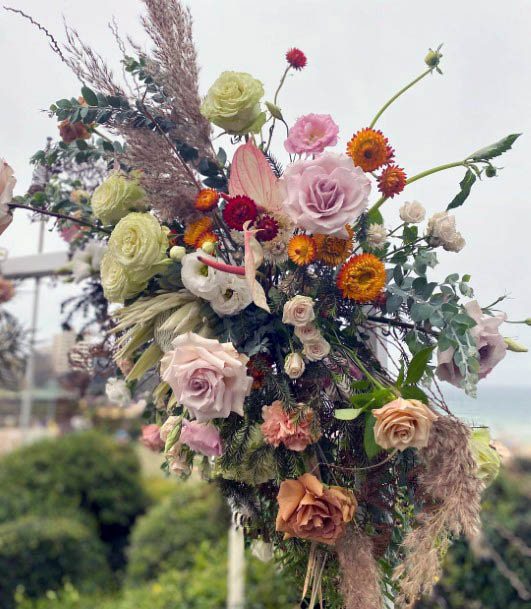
[376, 235]
[117, 392]
[412, 212]
[298, 311]
[7, 184]
[441, 228]
[307, 333]
[455, 244]
[316, 350]
[294, 365]
[200, 279]
[233, 295]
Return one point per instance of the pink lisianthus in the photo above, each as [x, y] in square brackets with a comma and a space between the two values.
[490, 344]
[324, 194]
[151, 438]
[311, 134]
[208, 378]
[202, 438]
[294, 431]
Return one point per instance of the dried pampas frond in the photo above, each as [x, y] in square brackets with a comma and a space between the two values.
[360, 577]
[453, 495]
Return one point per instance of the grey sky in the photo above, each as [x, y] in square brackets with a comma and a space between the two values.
[359, 54]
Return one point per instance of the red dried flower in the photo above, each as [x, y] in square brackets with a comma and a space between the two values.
[296, 58]
[239, 210]
[392, 181]
[268, 228]
[258, 366]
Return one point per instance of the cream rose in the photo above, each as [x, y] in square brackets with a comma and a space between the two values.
[294, 365]
[116, 197]
[7, 184]
[307, 333]
[403, 424]
[233, 103]
[315, 350]
[298, 311]
[209, 378]
[441, 231]
[118, 284]
[412, 212]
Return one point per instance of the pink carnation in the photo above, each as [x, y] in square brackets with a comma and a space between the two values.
[151, 438]
[279, 428]
[324, 194]
[311, 134]
[201, 438]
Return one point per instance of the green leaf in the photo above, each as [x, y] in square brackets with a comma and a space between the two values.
[348, 414]
[466, 186]
[410, 392]
[418, 365]
[89, 96]
[369, 442]
[375, 217]
[401, 375]
[496, 149]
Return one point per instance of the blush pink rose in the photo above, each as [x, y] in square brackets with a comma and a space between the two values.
[7, 184]
[294, 430]
[324, 194]
[202, 438]
[151, 438]
[490, 344]
[209, 378]
[311, 134]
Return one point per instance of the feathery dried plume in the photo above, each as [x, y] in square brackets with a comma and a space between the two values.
[449, 481]
[360, 578]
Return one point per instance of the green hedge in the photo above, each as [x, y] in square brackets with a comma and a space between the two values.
[88, 473]
[168, 535]
[38, 554]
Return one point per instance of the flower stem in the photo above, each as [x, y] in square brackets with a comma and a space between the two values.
[60, 216]
[397, 95]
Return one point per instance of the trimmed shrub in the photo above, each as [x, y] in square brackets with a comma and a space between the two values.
[168, 535]
[85, 472]
[38, 554]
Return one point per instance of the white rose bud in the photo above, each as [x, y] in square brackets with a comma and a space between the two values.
[177, 253]
[208, 247]
[294, 365]
[316, 350]
[412, 212]
[298, 311]
[376, 235]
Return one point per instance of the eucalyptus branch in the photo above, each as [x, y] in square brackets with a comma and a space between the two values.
[401, 324]
[54, 214]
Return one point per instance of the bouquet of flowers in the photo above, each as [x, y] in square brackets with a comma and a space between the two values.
[297, 341]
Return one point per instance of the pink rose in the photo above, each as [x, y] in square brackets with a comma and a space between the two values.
[151, 438]
[209, 378]
[311, 134]
[324, 194]
[202, 438]
[7, 184]
[296, 430]
[490, 343]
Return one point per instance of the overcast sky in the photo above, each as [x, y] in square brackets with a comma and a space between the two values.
[359, 53]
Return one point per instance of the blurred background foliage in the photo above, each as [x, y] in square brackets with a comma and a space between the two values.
[85, 523]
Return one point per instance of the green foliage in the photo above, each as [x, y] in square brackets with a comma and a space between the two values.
[496, 149]
[87, 472]
[37, 554]
[466, 187]
[167, 536]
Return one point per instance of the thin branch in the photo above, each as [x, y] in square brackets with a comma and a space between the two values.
[57, 215]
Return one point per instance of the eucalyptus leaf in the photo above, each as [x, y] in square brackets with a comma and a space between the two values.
[89, 96]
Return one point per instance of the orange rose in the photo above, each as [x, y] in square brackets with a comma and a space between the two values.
[309, 510]
[403, 424]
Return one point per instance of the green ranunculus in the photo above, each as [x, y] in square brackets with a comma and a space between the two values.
[116, 197]
[136, 252]
[487, 458]
[233, 103]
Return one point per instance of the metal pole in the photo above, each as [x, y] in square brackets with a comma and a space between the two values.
[27, 393]
[236, 572]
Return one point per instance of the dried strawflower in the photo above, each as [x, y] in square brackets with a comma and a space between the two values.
[302, 249]
[206, 199]
[362, 278]
[392, 181]
[369, 149]
[296, 58]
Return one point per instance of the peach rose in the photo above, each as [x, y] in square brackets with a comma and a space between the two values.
[403, 424]
[293, 430]
[298, 311]
[309, 510]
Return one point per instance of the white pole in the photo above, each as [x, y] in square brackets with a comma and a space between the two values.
[236, 572]
[27, 393]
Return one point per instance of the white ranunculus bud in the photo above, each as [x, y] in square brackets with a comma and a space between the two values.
[412, 212]
[177, 253]
[294, 365]
[376, 235]
[118, 392]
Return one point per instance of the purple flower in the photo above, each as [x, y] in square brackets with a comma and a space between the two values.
[202, 438]
[311, 134]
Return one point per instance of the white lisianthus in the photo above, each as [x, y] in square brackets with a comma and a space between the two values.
[118, 392]
[307, 333]
[233, 295]
[316, 350]
[441, 231]
[376, 235]
[412, 212]
[200, 279]
[294, 365]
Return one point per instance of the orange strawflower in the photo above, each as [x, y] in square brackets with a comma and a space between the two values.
[195, 229]
[333, 250]
[206, 199]
[205, 238]
[369, 149]
[392, 181]
[302, 249]
[362, 278]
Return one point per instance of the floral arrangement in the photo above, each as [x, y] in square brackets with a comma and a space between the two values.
[295, 342]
